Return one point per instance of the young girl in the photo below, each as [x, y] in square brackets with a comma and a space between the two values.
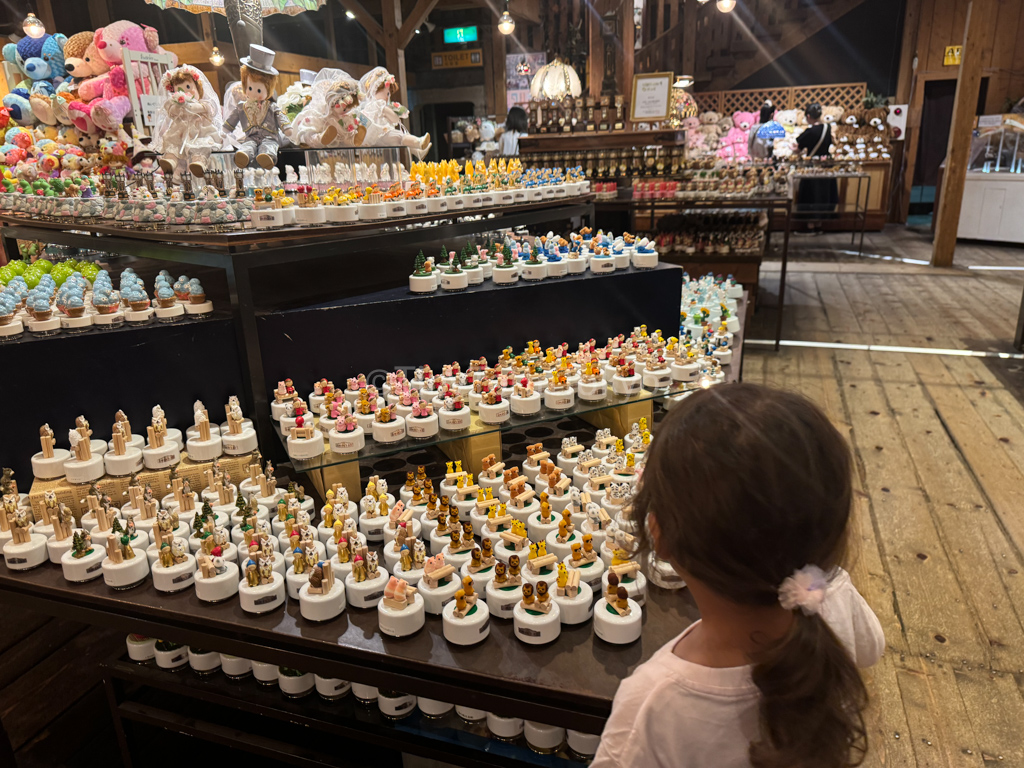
[747, 493]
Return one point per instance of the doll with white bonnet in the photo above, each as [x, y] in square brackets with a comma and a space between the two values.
[330, 119]
[382, 117]
[188, 122]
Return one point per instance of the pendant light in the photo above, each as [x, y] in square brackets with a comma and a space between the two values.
[33, 27]
[216, 57]
[726, 6]
[506, 24]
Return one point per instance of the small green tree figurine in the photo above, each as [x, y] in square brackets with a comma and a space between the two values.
[418, 267]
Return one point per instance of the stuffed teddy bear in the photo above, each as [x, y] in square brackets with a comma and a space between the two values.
[87, 69]
[876, 132]
[40, 59]
[831, 115]
[846, 131]
[108, 109]
[709, 127]
[694, 135]
[79, 55]
[734, 145]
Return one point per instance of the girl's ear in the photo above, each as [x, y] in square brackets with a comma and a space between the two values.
[655, 531]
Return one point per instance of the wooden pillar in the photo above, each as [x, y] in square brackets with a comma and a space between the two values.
[394, 55]
[497, 67]
[689, 41]
[627, 33]
[977, 36]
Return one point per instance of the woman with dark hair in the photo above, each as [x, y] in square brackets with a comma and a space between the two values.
[816, 198]
[515, 126]
[747, 492]
[759, 149]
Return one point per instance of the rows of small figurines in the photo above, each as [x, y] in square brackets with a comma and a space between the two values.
[78, 304]
[708, 299]
[719, 233]
[88, 459]
[430, 403]
[544, 549]
[295, 684]
[517, 258]
[728, 181]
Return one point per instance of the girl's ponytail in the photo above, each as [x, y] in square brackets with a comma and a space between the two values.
[812, 697]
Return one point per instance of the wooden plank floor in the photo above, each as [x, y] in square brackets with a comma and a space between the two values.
[939, 448]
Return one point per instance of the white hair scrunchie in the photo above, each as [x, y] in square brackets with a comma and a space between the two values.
[805, 590]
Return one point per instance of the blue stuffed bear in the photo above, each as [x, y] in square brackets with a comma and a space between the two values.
[41, 60]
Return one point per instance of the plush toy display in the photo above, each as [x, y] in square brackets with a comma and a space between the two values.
[330, 119]
[188, 124]
[734, 144]
[876, 133]
[709, 126]
[40, 60]
[694, 136]
[847, 130]
[259, 115]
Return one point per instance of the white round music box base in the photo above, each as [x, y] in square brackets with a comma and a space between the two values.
[616, 629]
[469, 714]
[324, 607]
[505, 275]
[537, 628]
[373, 527]
[539, 530]
[537, 271]
[590, 573]
[396, 707]
[23, 557]
[331, 688]
[422, 428]
[174, 659]
[481, 578]
[422, 283]
[127, 573]
[220, 587]
[293, 582]
[503, 553]
[50, 469]
[435, 599]
[306, 447]
[454, 421]
[204, 450]
[264, 673]
[531, 472]
[161, 458]
[684, 372]
[404, 621]
[124, 465]
[433, 708]
[657, 379]
[626, 385]
[577, 266]
[367, 694]
[505, 728]
[502, 600]
[583, 744]
[543, 738]
[262, 598]
[557, 548]
[366, 594]
[645, 260]
[576, 610]
[235, 667]
[56, 549]
[240, 444]
[84, 471]
[296, 686]
[559, 399]
[175, 578]
[494, 483]
[85, 568]
[549, 575]
[454, 281]
[204, 662]
[599, 536]
[456, 559]
[496, 413]
[523, 514]
[602, 265]
[140, 649]
[636, 586]
[389, 432]
[469, 630]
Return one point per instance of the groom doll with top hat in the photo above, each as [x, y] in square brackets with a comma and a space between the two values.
[261, 118]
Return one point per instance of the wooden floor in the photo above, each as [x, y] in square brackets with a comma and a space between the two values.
[939, 446]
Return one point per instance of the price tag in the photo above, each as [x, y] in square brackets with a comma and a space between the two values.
[149, 105]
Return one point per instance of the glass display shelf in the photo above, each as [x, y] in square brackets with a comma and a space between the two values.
[477, 428]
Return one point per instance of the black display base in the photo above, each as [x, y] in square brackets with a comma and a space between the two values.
[379, 332]
[98, 372]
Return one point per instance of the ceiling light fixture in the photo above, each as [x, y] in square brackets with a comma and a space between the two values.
[351, 15]
[33, 27]
[726, 6]
[216, 57]
[506, 24]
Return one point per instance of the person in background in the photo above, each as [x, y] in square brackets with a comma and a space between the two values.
[760, 149]
[816, 198]
[515, 126]
[767, 677]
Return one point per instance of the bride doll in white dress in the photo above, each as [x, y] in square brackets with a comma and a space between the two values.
[188, 123]
[330, 119]
[382, 117]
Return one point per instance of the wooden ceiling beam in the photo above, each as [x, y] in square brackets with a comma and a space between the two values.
[365, 19]
[417, 16]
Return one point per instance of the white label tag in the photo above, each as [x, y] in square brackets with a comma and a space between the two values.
[149, 104]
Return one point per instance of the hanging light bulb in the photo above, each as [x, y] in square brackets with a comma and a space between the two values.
[702, 2]
[216, 57]
[33, 27]
[506, 24]
[726, 6]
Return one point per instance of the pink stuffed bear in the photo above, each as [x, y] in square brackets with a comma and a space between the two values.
[103, 101]
[694, 134]
[734, 143]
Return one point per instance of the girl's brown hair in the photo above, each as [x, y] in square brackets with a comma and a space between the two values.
[269, 81]
[748, 484]
[183, 76]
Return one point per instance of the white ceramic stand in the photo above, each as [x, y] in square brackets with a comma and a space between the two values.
[264, 597]
[240, 444]
[433, 708]
[84, 471]
[636, 586]
[454, 421]
[505, 275]
[367, 694]
[469, 630]
[538, 530]
[203, 662]
[127, 573]
[469, 714]
[31, 554]
[422, 428]
[322, 607]
[366, 594]
[626, 385]
[435, 599]
[173, 659]
[235, 667]
[50, 469]
[176, 578]
[220, 587]
[592, 391]
[264, 673]
[504, 728]
[296, 686]
[124, 465]
[575, 610]
[401, 622]
[498, 413]
[85, 568]
[140, 649]
[307, 447]
[347, 442]
[397, 706]
[559, 399]
[331, 688]
[456, 559]
[590, 573]
[458, 281]
[525, 406]
[204, 450]
[373, 527]
[162, 458]
[537, 628]
[389, 432]
[543, 738]
[616, 629]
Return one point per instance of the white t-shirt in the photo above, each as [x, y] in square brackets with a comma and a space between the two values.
[672, 713]
[510, 143]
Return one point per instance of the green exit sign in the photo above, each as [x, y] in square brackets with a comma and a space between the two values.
[460, 35]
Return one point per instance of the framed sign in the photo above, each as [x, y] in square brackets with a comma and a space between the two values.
[456, 59]
[651, 97]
